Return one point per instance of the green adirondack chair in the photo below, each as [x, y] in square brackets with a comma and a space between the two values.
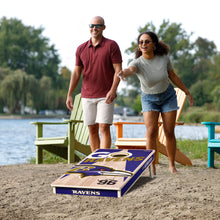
[74, 146]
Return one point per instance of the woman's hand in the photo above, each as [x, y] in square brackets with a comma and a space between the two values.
[121, 75]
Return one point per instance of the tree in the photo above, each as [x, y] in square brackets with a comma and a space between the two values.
[201, 92]
[33, 93]
[4, 72]
[204, 52]
[204, 49]
[46, 95]
[176, 37]
[216, 97]
[14, 90]
[214, 69]
[184, 69]
[63, 85]
[24, 47]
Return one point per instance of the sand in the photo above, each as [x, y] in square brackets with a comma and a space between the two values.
[26, 193]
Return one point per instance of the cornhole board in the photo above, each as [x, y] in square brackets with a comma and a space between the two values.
[105, 172]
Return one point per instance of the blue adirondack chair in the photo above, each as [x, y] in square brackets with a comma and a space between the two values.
[213, 143]
[74, 146]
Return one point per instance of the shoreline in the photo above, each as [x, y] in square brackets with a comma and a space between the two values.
[31, 116]
[130, 118]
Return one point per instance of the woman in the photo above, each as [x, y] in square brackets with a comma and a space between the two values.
[154, 70]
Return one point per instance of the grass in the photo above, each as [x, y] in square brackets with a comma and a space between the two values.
[49, 158]
[194, 149]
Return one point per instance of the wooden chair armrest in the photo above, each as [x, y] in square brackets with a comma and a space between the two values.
[119, 126]
[208, 123]
[180, 123]
[47, 123]
[211, 128]
[140, 123]
[39, 126]
[76, 121]
[127, 122]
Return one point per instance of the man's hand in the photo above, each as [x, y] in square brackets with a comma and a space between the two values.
[110, 97]
[69, 103]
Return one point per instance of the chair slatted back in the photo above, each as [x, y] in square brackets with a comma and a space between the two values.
[81, 131]
[181, 98]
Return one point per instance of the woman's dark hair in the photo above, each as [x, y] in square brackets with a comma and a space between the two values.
[160, 47]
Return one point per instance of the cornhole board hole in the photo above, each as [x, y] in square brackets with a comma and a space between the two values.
[105, 172]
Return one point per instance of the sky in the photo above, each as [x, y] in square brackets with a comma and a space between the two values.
[65, 22]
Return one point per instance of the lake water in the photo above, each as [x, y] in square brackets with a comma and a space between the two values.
[17, 137]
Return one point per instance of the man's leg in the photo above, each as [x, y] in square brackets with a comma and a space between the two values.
[105, 118]
[94, 140]
[89, 117]
[105, 136]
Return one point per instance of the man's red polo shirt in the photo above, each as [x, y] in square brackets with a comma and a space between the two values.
[97, 62]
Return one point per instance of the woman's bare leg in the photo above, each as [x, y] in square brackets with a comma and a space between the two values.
[151, 122]
[169, 119]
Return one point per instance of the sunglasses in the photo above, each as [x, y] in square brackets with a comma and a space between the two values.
[145, 41]
[96, 25]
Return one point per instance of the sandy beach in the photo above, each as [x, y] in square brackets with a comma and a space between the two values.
[26, 193]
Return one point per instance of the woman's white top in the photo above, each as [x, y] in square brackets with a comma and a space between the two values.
[153, 73]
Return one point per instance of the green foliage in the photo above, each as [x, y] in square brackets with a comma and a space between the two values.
[194, 149]
[49, 158]
[29, 69]
[24, 47]
[204, 49]
[176, 37]
[137, 104]
[120, 101]
[199, 114]
[201, 92]
[214, 69]
[216, 96]
[184, 67]
[14, 89]
[47, 95]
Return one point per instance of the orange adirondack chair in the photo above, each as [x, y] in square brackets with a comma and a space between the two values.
[140, 143]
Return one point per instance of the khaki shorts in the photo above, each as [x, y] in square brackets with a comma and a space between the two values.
[95, 110]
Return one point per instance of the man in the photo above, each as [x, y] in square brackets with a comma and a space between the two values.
[100, 60]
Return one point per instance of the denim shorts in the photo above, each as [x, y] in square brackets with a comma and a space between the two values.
[162, 102]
